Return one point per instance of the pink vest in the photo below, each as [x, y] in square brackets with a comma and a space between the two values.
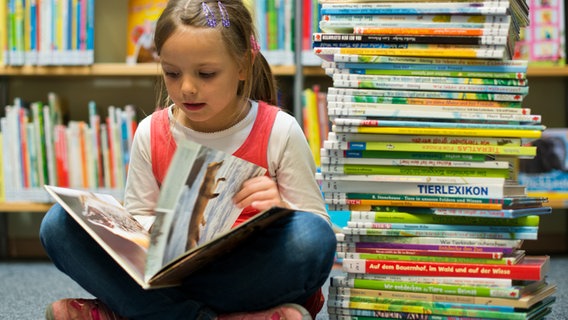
[254, 149]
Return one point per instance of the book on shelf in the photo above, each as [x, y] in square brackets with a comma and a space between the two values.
[401, 128]
[184, 236]
[525, 301]
[141, 24]
[439, 286]
[530, 268]
[399, 8]
[425, 63]
[372, 169]
[330, 160]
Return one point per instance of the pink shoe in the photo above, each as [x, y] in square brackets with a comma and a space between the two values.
[288, 311]
[80, 309]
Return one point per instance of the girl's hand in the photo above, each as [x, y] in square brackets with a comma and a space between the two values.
[259, 192]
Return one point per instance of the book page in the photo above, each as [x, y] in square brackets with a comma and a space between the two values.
[114, 229]
[195, 203]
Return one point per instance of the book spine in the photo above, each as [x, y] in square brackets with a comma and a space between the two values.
[451, 29]
[429, 147]
[402, 257]
[329, 39]
[354, 137]
[430, 86]
[436, 308]
[373, 246]
[440, 19]
[430, 124]
[506, 107]
[390, 216]
[437, 233]
[426, 79]
[448, 242]
[364, 154]
[488, 52]
[408, 162]
[427, 67]
[439, 227]
[439, 288]
[427, 94]
[427, 73]
[414, 171]
[520, 65]
[345, 248]
[518, 133]
[410, 113]
[516, 272]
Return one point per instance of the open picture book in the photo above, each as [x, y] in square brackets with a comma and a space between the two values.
[193, 223]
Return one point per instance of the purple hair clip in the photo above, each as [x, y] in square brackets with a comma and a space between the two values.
[211, 21]
[224, 14]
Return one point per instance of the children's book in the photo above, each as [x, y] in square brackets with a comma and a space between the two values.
[194, 217]
[142, 17]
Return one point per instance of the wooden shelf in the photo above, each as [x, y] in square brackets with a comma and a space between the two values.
[121, 70]
[24, 207]
[152, 69]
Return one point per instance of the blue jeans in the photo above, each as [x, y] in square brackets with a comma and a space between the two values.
[288, 262]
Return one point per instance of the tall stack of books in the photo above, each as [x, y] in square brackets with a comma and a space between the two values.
[428, 122]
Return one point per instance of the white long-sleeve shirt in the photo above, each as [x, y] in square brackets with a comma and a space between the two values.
[290, 163]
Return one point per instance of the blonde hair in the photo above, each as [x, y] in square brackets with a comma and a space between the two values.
[239, 39]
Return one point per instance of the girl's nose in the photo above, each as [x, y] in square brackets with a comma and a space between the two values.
[189, 86]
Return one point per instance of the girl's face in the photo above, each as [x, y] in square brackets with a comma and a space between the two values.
[202, 79]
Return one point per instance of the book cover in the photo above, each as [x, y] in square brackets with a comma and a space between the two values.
[194, 217]
[531, 268]
[142, 17]
[547, 173]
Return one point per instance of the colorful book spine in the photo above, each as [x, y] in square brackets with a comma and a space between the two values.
[506, 107]
[427, 94]
[531, 268]
[440, 233]
[512, 292]
[371, 247]
[448, 242]
[525, 302]
[353, 137]
[397, 8]
[401, 155]
[441, 227]
[423, 50]
[343, 248]
[352, 169]
[428, 73]
[425, 258]
[432, 124]
[527, 151]
[400, 129]
[401, 216]
[447, 63]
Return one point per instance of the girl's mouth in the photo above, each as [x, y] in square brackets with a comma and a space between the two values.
[193, 106]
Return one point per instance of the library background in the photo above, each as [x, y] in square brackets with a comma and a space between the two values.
[70, 81]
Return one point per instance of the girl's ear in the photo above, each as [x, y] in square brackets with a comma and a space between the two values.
[243, 71]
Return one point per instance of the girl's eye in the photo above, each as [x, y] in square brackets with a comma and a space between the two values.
[207, 74]
[171, 74]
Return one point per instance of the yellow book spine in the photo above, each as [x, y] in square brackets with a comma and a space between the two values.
[444, 131]
[312, 124]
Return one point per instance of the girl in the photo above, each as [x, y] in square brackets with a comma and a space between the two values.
[221, 90]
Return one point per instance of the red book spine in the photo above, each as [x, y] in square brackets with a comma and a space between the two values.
[531, 268]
